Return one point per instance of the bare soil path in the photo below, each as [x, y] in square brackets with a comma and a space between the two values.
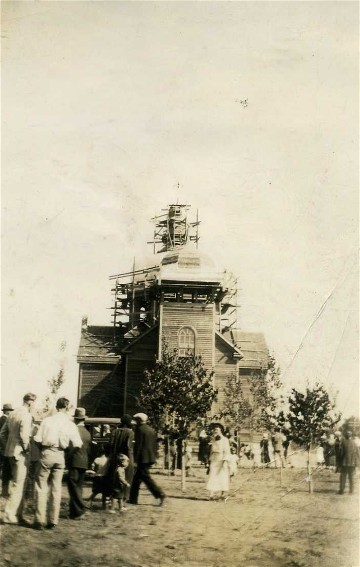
[261, 525]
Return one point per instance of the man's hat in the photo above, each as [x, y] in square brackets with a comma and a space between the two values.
[7, 407]
[141, 417]
[80, 413]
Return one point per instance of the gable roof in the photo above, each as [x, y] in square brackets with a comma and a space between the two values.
[128, 347]
[97, 344]
[253, 347]
[236, 351]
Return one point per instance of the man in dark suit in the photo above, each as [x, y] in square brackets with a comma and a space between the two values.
[145, 457]
[78, 462]
[349, 460]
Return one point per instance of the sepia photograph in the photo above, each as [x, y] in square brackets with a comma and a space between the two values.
[180, 284]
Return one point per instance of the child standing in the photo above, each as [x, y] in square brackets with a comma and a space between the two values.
[101, 485]
[120, 483]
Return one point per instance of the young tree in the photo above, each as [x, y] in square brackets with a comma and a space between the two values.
[310, 415]
[237, 408]
[176, 392]
[54, 386]
[258, 404]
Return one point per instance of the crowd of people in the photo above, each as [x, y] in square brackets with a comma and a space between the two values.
[34, 458]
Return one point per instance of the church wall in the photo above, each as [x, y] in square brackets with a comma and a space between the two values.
[198, 316]
[141, 356]
[100, 390]
[225, 365]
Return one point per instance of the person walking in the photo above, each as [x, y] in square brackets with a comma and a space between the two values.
[15, 436]
[78, 463]
[349, 460]
[145, 457]
[5, 461]
[219, 469]
[55, 434]
[122, 443]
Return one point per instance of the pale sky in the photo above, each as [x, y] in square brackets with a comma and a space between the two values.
[107, 106]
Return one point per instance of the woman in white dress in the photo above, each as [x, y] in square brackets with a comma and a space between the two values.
[219, 470]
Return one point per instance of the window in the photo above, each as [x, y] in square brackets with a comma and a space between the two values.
[186, 341]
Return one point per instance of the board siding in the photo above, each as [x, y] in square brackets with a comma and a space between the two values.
[198, 316]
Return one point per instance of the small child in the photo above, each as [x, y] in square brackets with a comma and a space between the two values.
[119, 483]
[188, 460]
[234, 459]
[101, 483]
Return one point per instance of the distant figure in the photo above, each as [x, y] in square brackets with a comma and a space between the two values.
[219, 470]
[337, 451]
[5, 465]
[349, 458]
[120, 484]
[277, 442]
[78, 463]
[15, 437]
[320, 461]
[264, 446]
[234, 459]
[54, 435]
[145, 457]
[188, 460]
[204, 448]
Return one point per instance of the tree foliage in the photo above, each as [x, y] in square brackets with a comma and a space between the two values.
[311, 414]
[54, 385]
[258, 406]
[176, 392]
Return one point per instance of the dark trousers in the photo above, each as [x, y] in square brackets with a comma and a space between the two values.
[75, 481]
[142, 474]
[5, 476]
[347, 471]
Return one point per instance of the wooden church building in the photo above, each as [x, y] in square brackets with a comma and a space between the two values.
[181, 299]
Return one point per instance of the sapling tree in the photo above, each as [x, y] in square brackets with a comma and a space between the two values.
[176, 392]
[311, 414]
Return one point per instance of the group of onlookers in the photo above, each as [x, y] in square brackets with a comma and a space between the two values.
[34, 458]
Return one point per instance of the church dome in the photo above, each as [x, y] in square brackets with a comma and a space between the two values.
[188, 264]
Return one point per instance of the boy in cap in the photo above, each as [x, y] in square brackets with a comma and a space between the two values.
[145, 457]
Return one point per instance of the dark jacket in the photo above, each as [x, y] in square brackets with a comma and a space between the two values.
[122, 441]
[349, 453]
[79, 457]
[145, 445]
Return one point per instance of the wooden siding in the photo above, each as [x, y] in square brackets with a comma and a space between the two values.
[141, 356]
[225, 365]
[198, 316]
[100, 390]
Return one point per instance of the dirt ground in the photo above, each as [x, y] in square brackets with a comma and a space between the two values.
[262, 524]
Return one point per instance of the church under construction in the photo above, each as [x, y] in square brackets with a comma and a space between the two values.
[181, 299]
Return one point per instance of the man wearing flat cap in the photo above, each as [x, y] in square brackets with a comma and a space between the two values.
[4, 461]
[78, 462]
[145, 457]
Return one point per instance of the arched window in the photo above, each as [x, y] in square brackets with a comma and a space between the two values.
[186, 341]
